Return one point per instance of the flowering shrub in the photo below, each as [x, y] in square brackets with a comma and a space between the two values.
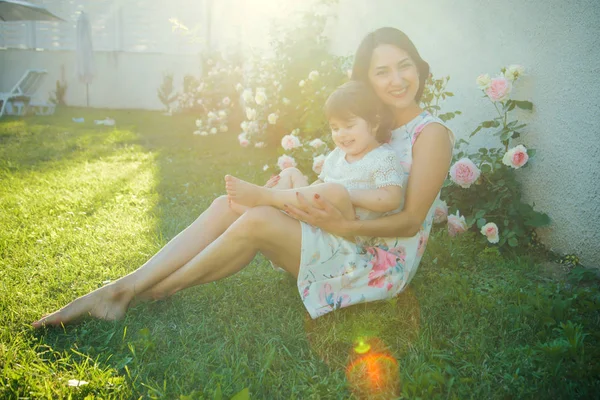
[483, 184]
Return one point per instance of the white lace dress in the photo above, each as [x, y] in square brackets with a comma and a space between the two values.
[335, 272]
[377, 169]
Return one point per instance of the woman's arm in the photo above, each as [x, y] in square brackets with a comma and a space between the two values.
[383, 199]
[432, 154]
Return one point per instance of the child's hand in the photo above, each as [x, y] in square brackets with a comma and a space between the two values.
[272, 181]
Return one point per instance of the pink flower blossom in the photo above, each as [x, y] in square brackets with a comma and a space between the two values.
[456, 224]
[318, 163]
[499, 89]
[244, 142]
[423, 238]
[289, 142]
[490, 230]
[316, 143]
[516, 157]
[286, 161]
[464, 173]
[441, 212]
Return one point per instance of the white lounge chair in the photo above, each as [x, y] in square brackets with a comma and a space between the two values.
[22, 92]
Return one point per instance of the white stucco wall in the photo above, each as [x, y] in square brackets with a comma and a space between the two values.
[559, 43]
[124, 80]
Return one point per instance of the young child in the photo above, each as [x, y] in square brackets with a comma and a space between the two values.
[361, 176]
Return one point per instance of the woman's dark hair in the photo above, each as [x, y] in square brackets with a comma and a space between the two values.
[357, 99]
[394, 37]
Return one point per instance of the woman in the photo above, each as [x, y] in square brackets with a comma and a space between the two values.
[220, 242]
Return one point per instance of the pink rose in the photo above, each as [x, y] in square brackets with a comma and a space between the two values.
[289, 142]
[316, 143]
[464, 173]
[318, 162]
[516, 157]
[490, 230]
[498, 89]
[456, 224]
[423, 238]
[285, 161]
[244, 142]
[441, 212]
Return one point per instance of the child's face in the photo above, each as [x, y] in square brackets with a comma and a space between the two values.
[354, 136]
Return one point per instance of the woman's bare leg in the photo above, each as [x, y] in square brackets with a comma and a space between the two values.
[279, 240]
[111, 301]
[249, 195]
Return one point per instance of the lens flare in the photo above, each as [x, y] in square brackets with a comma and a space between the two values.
[374, 375]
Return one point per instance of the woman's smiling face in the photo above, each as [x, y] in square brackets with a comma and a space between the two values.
[393, 76]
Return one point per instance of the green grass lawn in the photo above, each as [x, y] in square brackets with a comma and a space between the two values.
[81, 205]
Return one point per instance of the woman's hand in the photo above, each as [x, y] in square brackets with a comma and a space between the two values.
[321, 214]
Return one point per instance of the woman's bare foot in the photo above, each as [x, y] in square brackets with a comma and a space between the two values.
[107, 303]
[244, 193]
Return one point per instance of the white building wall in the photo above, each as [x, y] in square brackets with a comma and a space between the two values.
[559, 44]
[124, 80]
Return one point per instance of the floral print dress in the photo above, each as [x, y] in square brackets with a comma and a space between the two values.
[335, 272]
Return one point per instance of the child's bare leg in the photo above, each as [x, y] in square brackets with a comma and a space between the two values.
[249, 195]
[291, 178]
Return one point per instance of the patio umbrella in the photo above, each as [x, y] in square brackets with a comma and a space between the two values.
[16, 10]
[85, 54]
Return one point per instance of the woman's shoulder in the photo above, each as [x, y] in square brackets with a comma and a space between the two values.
[430, 123]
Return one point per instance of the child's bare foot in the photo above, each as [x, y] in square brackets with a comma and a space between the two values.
[237, 208]
[105, 303]
[244, 193]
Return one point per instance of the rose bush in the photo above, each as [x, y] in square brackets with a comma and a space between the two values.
[483, 185]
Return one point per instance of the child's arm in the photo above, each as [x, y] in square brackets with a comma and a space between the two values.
[387, 178]
[383, 199]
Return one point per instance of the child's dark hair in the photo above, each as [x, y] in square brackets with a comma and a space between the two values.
[357, 99]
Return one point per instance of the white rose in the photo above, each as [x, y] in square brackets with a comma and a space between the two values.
[483, 81]
[250, 113]
[247, 96]
[223, 128]
[286, 161]
[301, 83]
[213, 131]
[226, 101]
[260, 98]
[286, 101]
[273, 118]
[512, 72]
[244, 126]
[222, 114]
[266, 166]
[313, 76]
[196, 132]
[239, 87]
[212, 115]
[516, 157]
[198, 123]
[260, 145]
[203, 133]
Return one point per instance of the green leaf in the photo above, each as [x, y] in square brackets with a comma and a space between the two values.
[218, 393]
[531, 152]
[481, 222]
[242, 395]
[511, 105]
[486, 168]
[479, 214]
[537, 219]
[524, 105]
[476, 130]
[513, 242]
[483, 150]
